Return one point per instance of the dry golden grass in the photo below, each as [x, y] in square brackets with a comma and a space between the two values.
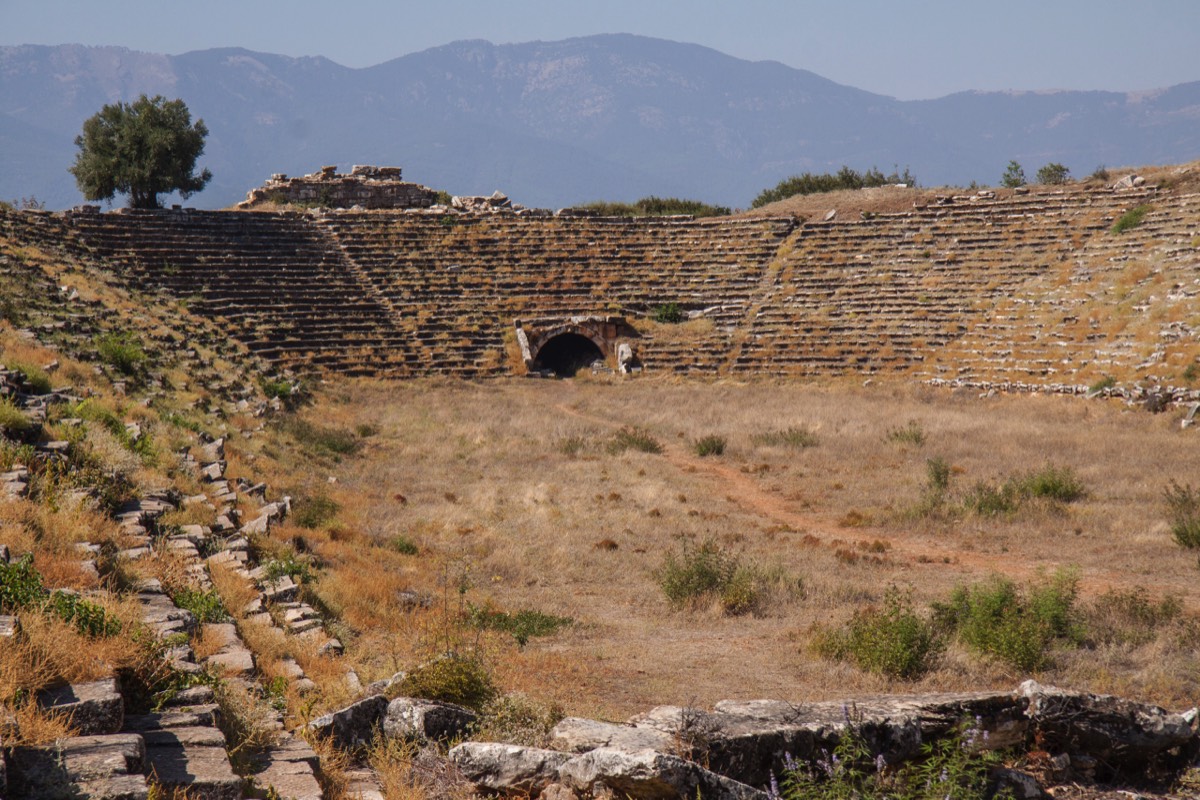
[236, 592]
[506, 488]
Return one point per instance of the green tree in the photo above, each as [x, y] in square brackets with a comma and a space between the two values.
[1053, 174]
[1014, 176]
[141, 149]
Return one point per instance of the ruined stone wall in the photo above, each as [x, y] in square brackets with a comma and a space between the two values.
[365, 187]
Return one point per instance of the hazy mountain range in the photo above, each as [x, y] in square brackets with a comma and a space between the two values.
[611, 117]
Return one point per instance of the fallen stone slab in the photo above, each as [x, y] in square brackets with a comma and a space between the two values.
[508, 768]
[649, 775]
[1123, 734]
[578, 735]
[354, 725]
[426, 720]
[92, 708]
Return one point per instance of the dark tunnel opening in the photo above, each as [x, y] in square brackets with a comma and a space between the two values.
[567, 353]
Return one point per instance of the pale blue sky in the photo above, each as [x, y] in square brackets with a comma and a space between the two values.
[904, 48]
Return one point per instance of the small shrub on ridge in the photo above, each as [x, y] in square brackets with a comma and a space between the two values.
[1131, 219]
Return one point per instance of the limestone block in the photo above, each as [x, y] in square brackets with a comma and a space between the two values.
[414, 718]
[507, 768]
[93, 708]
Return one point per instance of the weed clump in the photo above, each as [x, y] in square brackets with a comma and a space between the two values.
[953, 767]
[1183, 512]
[205, 604]
[523, 625]
[515, 719]
[403, 545]
[35, 377]
[314, 511]
[710, 572]
[1131, 219]
[322, 440]
[13, 420]
[1130, 617]
[669, 314]
[452, 678]
[631, 438]
[795, 437]
[122, 352]
[893, 640]
[912, 433]
[711, 445]
[997, 619]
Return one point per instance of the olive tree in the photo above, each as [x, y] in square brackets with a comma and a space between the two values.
[140, 149]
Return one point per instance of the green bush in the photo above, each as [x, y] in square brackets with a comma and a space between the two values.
[657, 207]
[711, 573]
[20, 585]
[523, 625]
[314, 511]
[695, 572]
[1183, 512]
[892, 641]
[452, 678]
[1059, 484]
[1131, 219]
[88, 618]
[13, 420]
[35, 377]
[1107, 382]
[205, 604]
[403, 545]
[794, 437]
[280, 389]
[669, 314]
[937, 471]
[912, 433]
[711, 445]
[1053, 174]
[1014, 176]
[845, 178]
[997, 619]
[121, 351]
[323, 440]
[289, 564]
[631, 438]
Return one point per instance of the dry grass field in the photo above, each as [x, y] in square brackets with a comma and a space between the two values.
[515, 496]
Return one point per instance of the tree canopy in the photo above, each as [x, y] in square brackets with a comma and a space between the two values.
[141, 149]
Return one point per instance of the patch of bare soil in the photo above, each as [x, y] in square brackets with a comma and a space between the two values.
[519, 479]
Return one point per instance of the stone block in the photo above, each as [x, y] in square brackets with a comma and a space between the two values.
[93, 708]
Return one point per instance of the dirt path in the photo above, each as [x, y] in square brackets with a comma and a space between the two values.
[742, 490]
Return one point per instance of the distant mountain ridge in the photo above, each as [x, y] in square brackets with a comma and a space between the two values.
[611, 117]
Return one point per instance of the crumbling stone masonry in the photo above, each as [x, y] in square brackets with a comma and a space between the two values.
[365, 187]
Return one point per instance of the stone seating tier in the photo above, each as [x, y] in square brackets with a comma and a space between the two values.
[405, 294]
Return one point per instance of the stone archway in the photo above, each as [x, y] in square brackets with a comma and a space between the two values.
[564, 345]
[567, 353]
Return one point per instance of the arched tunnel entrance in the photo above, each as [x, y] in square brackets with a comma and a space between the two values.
[567, 353]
